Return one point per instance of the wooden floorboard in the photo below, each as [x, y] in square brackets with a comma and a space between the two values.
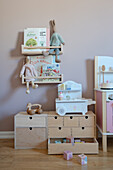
[31, 159]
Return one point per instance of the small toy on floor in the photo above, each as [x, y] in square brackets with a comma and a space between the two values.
[82, 159]
[68, 155]
[36, 110]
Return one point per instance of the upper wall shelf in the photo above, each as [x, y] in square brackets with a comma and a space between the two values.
[38, 50]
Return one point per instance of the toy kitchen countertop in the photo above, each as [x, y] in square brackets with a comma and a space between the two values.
[82, 100]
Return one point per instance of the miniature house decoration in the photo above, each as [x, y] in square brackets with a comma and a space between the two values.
[72, 101]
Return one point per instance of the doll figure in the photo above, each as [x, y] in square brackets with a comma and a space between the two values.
[56, 40]
[30, 73]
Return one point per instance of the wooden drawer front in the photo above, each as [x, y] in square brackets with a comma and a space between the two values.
[87, 121]
[71, 121]
[77, 148]
[31, 121]
[59, 132]
[30, 138]
[55, 121]
[82, 132]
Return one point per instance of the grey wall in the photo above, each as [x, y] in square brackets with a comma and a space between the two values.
[87, 28]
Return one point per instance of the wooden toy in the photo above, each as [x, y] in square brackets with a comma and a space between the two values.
[68, 155]
[103, 96]
[72, 101]
[82, 159]
[36, 110]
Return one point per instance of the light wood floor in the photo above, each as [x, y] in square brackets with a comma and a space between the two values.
[11, 159]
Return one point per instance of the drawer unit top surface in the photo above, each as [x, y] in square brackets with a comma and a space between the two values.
[25, 114]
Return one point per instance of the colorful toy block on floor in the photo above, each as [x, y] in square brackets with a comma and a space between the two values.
[82, 159]
[68, 155]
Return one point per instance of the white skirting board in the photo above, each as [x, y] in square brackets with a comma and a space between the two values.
[6, 134]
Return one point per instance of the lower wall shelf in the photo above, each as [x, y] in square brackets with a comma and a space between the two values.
[45, 79]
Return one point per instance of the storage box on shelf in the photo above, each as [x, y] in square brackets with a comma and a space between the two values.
[81, 127]
[30, 131]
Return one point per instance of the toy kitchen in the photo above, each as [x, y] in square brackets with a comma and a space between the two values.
[70, 99]
[103, 66]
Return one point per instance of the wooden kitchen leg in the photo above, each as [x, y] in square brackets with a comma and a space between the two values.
[104, 143]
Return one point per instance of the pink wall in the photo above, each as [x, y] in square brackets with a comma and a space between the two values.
[87, 29]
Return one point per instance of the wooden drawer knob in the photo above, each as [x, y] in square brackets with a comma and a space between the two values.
[59, 128]
[55, 117]
[30, 128]
[86, 117]
[71, 117]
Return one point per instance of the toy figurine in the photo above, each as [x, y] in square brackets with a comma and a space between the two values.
[56, 40]
[32, 111]
[30, 73]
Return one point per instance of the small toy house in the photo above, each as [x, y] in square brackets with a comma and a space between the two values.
[71, 101]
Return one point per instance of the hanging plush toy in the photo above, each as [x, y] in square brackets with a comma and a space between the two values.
[30, 73]
[56, 40]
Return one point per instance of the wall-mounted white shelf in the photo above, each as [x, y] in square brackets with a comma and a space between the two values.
[45, 79]
[38, 50]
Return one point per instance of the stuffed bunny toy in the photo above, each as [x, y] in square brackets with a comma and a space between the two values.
[56, 40]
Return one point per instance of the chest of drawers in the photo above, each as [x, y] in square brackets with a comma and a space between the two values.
[30, 131]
